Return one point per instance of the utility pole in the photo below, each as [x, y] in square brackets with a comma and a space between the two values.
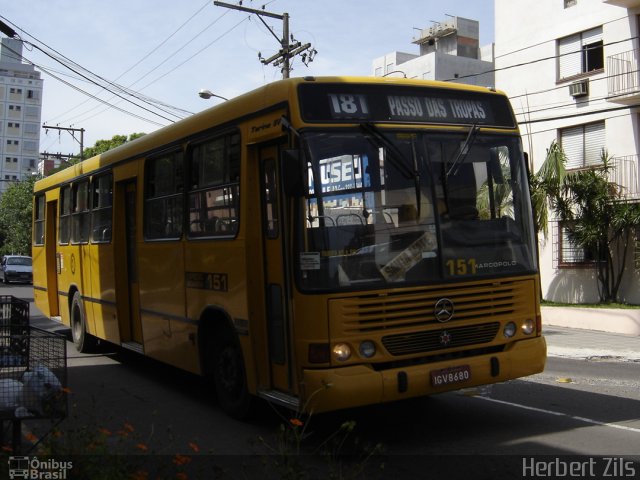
[72, 131]
[288, 49]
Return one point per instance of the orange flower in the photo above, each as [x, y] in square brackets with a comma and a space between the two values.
[142, 446]
[181, 460]
[66, 390]
[140, 475]
[296, 422]
[194, 447]
[30, 437]
[104, 431]
[7, 448]
[128, 427]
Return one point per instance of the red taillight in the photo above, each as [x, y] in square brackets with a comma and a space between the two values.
[319, 353]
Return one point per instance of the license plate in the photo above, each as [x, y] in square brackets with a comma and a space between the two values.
[448, 376]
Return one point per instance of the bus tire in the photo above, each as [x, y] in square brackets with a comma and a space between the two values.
[81, 339]
[229, 377]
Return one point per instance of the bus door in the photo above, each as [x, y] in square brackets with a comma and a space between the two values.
[275, 273]
[127, 285]
[51, 258]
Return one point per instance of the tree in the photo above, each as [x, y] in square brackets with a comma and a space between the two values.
[99, 147]
[598, 220]
[102, 146]
[545, 186]
[16, 205]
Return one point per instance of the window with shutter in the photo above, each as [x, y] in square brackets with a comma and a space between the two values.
[583, 144]
[580, 53]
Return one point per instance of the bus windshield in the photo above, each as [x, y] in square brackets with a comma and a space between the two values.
[393, 208]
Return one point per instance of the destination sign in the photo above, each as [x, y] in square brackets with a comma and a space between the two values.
[393, 103]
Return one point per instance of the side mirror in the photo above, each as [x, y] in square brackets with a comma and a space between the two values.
[293, 173]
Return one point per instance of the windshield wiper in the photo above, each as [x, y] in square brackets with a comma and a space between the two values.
[397, 158]
[464, 150]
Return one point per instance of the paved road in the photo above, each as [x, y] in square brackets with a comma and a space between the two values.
[581, 405]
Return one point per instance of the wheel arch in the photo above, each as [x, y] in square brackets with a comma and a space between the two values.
[73, 289]
[214, 323]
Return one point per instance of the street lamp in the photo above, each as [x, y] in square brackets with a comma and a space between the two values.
[207, 94]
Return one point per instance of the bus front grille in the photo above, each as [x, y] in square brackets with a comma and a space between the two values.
[432, 340]
[473, 302]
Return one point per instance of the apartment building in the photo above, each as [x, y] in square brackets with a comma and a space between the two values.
[571, 70]
[20, 112]
[448, 50]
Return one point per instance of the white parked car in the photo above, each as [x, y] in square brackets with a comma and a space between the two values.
[16, 268]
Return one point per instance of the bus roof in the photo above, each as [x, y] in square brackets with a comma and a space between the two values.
[262, 98]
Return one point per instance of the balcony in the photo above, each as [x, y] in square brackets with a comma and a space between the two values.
[623, 3]
[625, 173]
[623, 79]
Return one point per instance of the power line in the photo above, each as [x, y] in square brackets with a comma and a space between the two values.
[75, 67]
[289, 47]
[197, 53]
[581, 114]
[538, 60]
[140, 117]
[135, 65]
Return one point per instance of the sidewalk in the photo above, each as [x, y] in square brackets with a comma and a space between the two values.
[614, 320]
[579, 343]
[604, 333]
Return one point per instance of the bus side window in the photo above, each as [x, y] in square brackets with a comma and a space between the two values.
[65, 215]
[163, 194]
[39, 221]
[270, 202]
[214, 187]
[101, 208]
[80, 217]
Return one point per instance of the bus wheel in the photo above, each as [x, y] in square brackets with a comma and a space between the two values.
[230, 378]
[81, 339]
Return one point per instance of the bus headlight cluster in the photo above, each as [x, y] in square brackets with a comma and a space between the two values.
[367, 349]
[509, 330]
[342, 352]
[528, 326]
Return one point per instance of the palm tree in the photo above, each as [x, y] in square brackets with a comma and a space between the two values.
[546, 184]
[500, 192]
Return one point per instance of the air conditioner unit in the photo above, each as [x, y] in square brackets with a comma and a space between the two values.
[579, 89]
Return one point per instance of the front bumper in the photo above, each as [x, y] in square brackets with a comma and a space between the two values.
[359, 385]
[18, 277]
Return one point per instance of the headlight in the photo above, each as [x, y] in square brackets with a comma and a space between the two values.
[342, 352]
[509, 330]
[367, 349]
[528, 326]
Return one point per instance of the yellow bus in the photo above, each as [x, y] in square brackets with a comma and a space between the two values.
[320, 243]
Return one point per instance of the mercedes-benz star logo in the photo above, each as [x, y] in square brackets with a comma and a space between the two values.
[443, 310]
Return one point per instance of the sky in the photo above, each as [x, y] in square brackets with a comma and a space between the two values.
[169, 50]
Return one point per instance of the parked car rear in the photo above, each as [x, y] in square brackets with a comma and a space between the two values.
[16, 268]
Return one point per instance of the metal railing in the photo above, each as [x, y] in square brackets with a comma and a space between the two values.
[625, 173]
[622, 73]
